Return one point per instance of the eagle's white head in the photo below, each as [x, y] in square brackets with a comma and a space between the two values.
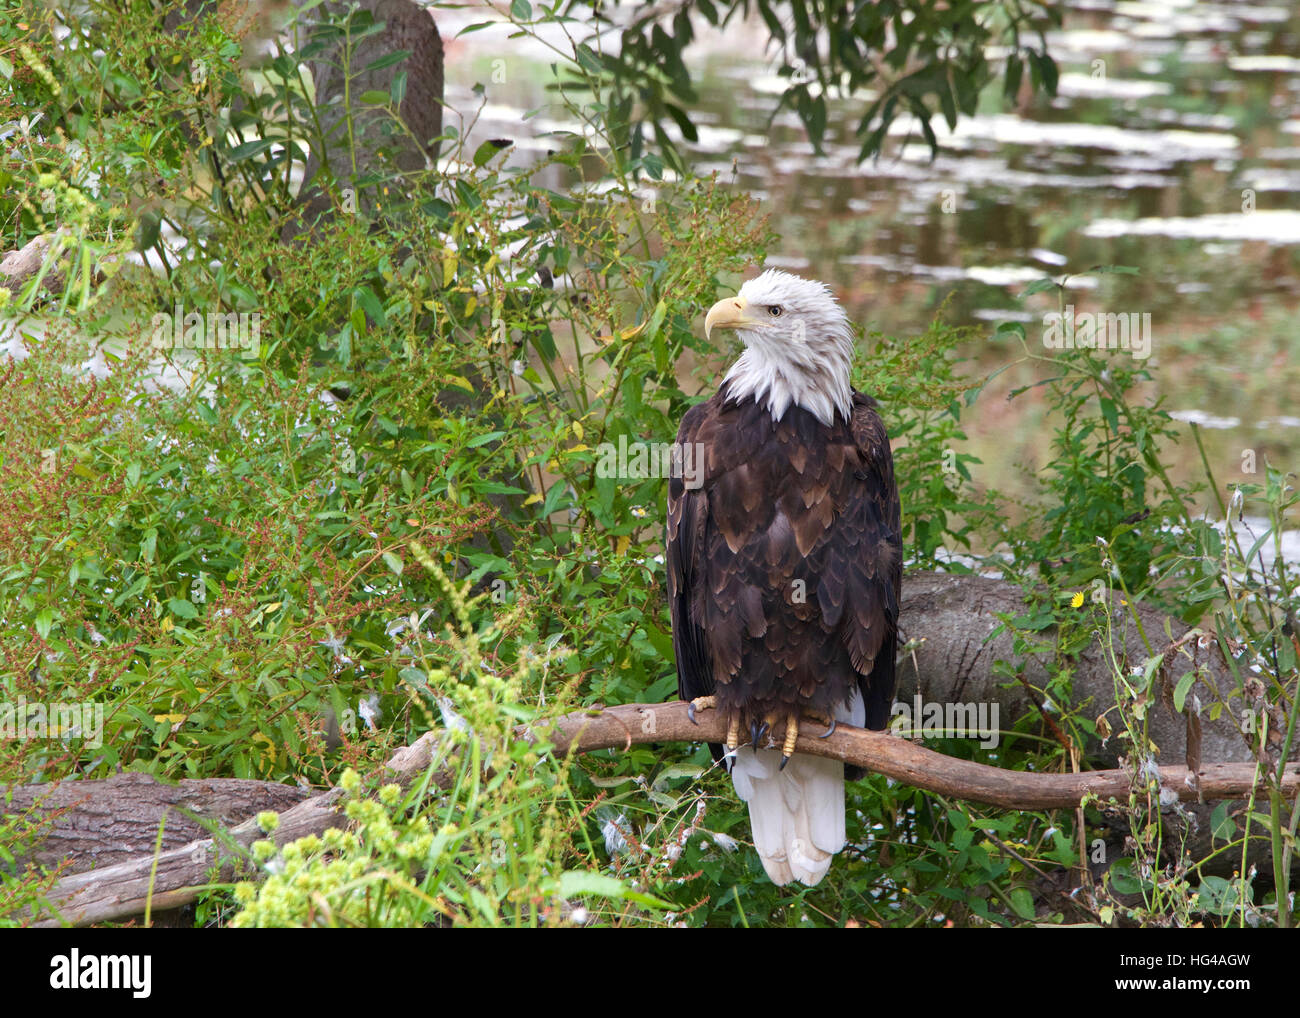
[798, 345]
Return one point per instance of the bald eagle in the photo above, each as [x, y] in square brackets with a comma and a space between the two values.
[784, 556]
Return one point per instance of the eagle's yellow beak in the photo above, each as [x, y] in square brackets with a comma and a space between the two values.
[728, 314]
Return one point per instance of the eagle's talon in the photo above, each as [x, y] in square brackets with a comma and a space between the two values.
[828, 719]
[784, 760]
[758, 732]
[700, 703]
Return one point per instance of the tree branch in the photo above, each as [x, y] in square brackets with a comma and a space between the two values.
[903, 760]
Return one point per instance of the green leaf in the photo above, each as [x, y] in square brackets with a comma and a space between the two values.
[484, 153]
[497, 488]
[147, 231]
[949, 107]
[1111, 415]
[1015, 68]
[249, 149]
[1022, 901]
[1180, 691]
[183, 609]
[393, 562]
[677, 771]
[1062, 850]
[1036, 622]
[1039, 286]
[1123, 879]
[387, 60]
[521, 10]
[1217, 896]
[370, 304]
[149, 546]
[576, 882]
[657, 318]
[1286, 656]
[588, 59]
[1222, 826]
[1050, 74]
[1259, 543]
[683, 122]
[45, 622]
[1149, 667]
[613, 781]
[491, 436]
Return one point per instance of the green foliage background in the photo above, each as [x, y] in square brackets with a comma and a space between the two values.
[386, 520]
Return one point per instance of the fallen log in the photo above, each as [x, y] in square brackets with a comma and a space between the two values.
[96, 824]
[20, 265]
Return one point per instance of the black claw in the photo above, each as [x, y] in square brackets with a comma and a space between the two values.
[758, 732]
[690, 713]
[830, 731]
[784, 760]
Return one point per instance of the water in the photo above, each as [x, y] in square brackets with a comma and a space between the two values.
[1173, 146]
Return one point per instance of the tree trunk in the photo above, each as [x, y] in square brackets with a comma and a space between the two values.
[340, 79]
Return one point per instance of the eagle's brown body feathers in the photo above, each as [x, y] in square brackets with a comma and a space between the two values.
[784, 566]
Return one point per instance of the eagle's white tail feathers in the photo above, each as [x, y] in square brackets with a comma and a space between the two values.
[796, 815]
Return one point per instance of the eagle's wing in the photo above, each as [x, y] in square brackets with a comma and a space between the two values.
[688, 510]
[874, 533]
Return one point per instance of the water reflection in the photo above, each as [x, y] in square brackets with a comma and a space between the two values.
[1173, 146]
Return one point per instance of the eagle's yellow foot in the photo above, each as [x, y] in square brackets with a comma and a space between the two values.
[733, 733]
[700, 703]
[791, 736]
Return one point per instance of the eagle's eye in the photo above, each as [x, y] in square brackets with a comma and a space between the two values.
[774, 310]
